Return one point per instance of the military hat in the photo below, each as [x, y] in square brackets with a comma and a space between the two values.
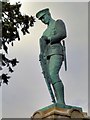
[42, 12]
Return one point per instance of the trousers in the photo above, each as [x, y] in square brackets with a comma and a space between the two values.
[54, 63]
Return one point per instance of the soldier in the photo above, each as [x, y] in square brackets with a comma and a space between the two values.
[51, 54]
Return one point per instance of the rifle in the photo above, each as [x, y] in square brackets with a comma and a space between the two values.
[46, 76]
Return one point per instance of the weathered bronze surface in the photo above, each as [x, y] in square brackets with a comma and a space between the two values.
[52, 55]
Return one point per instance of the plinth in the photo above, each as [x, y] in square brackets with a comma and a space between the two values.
[55, 113]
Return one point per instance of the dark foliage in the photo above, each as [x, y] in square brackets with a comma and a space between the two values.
[11, 21]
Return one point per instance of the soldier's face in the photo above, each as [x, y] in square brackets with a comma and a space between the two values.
[45, 19]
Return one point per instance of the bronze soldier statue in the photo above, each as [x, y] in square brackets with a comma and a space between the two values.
[52, 54]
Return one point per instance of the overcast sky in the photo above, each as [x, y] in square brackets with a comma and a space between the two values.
[27, 91]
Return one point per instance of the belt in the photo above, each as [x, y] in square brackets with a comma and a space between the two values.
[55, 43]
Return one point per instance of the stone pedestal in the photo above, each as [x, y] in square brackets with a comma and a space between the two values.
[57, 112]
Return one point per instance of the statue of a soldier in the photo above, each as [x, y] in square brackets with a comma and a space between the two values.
[52, 54]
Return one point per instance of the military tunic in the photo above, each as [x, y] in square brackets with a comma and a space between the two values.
[55, 32]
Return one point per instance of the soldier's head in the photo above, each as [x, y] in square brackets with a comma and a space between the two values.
[44, 15]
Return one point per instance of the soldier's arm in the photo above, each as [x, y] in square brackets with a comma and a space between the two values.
[60, 32]
[43, 43]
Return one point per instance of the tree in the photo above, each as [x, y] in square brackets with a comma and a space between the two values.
[11, 21]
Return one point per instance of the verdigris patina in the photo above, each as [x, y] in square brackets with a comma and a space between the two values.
[52, 55]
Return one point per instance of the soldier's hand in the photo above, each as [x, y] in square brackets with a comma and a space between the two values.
[44, 38]
[40, 57]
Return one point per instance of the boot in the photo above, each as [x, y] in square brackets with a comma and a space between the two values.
[59, 92]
